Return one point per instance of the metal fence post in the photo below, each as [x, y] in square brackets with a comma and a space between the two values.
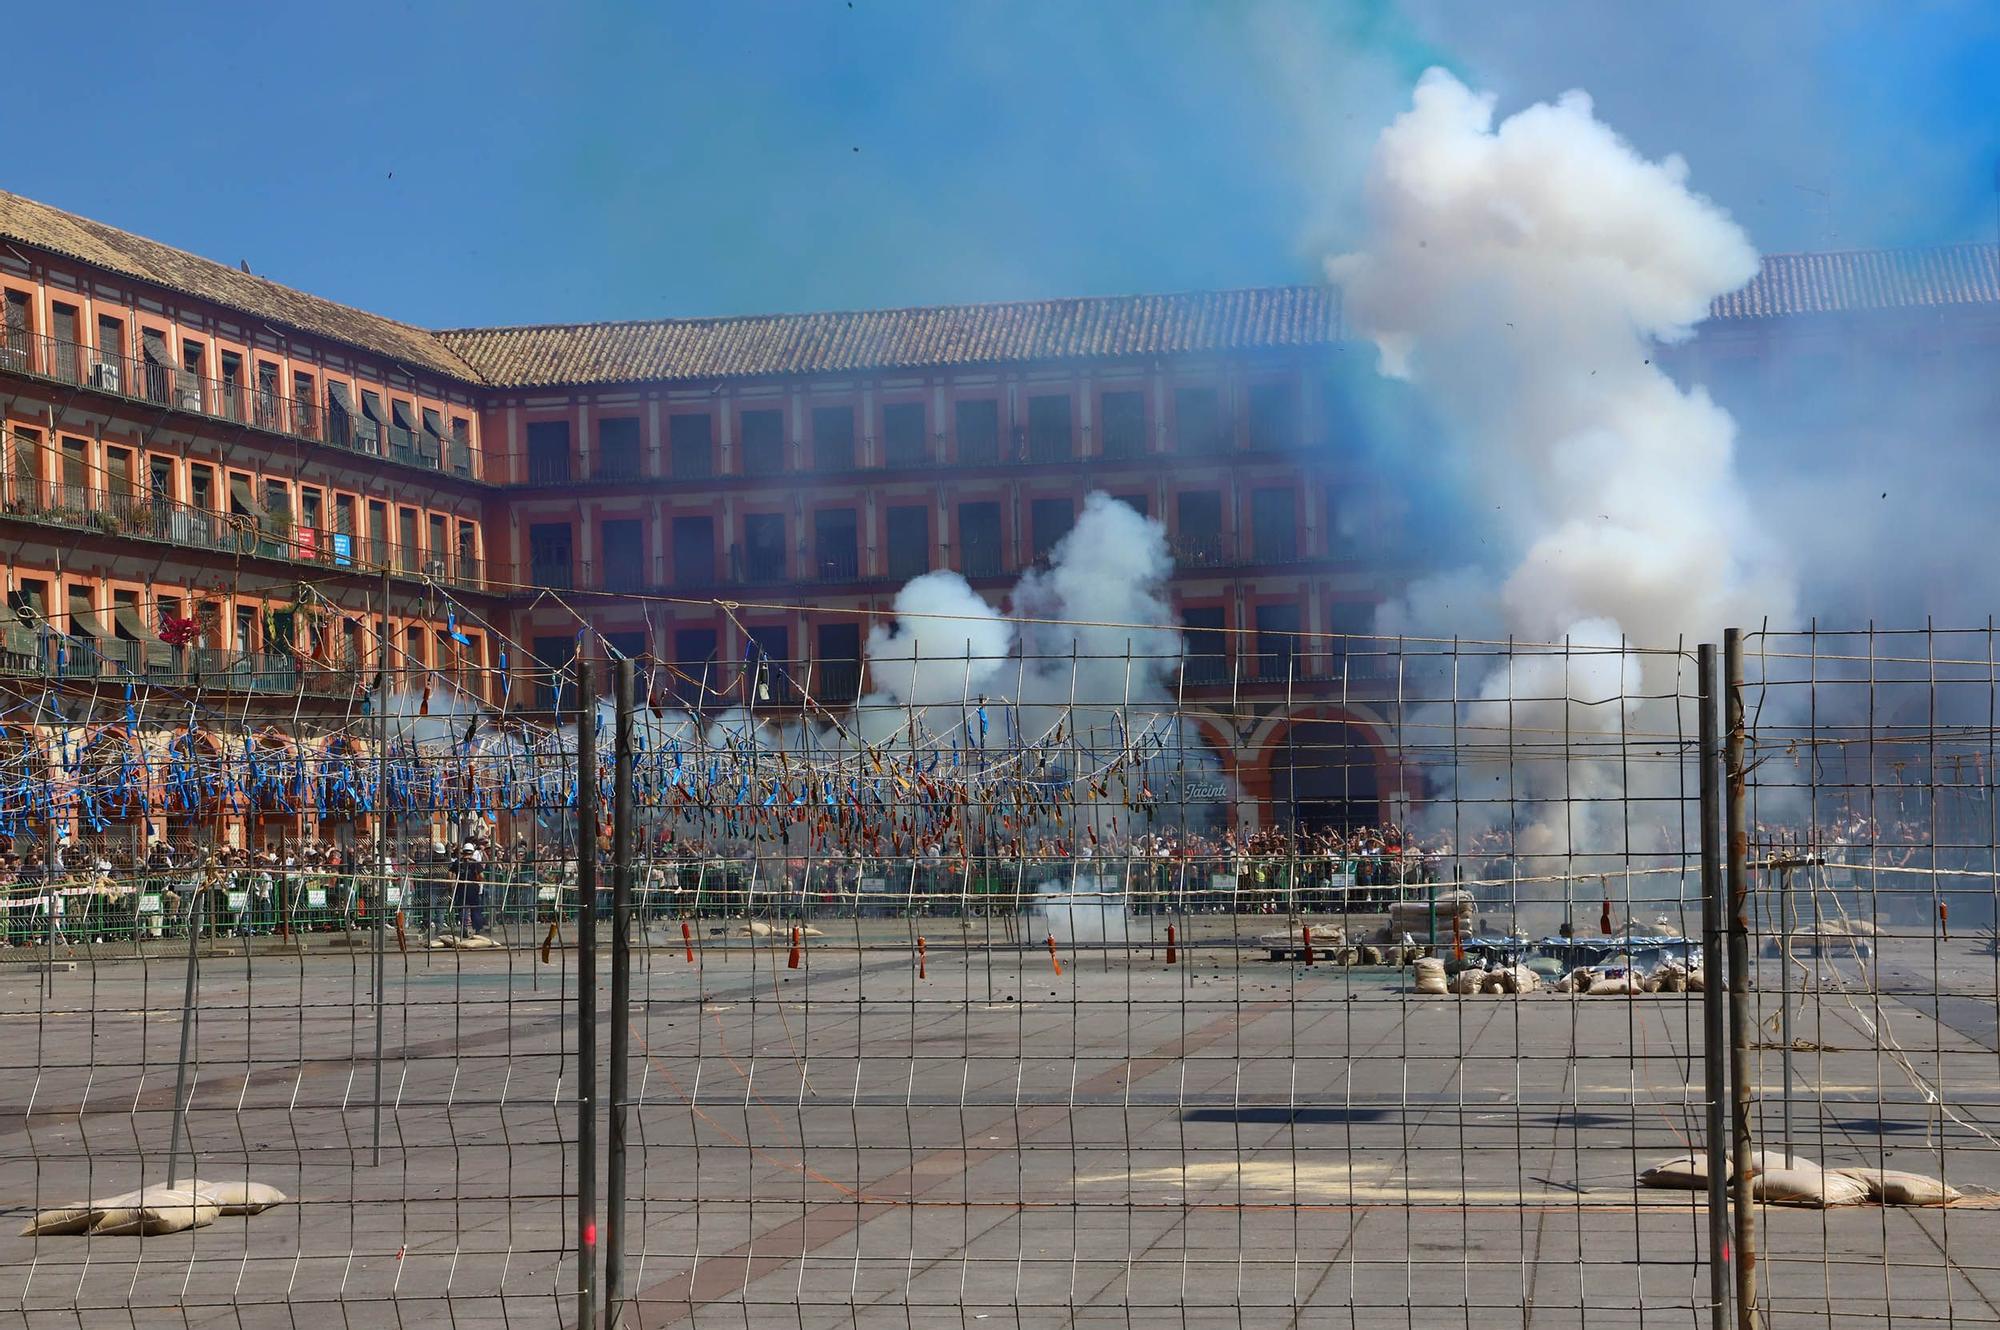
[1714, 908]
[586, 997]
[1737, 809]
[621, 992]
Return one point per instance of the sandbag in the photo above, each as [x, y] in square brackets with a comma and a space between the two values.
[1627, 986]
[1371, 955]
[1810, 1186]
[1671, 979]
[1523, 980]
[1893, 1187]
[1346, 955]
[62, 1219]
[1495, 981]
[237, 1197]
[1430, 977]
[1466, 982]
[1697, 981]
[1684, 1173]
[151, 1211]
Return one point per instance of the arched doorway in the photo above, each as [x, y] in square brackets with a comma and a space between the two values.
[1323, 775]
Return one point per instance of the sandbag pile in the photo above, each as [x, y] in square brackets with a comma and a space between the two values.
[1780, 1179]
[151, 1211]
[1414, 917]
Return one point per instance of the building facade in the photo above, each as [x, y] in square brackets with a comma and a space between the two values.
[227, 502]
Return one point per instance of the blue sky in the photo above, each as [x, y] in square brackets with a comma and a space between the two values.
[520, 161]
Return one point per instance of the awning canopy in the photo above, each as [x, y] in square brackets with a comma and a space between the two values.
[126, 616]
[83, 620]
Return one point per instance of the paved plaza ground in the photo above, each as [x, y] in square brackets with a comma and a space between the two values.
[1226, 1141]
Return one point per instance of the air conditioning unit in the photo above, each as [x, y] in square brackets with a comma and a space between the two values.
[104, 374]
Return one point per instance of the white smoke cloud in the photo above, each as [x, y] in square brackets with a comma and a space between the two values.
[1522, 275]
[946, 643]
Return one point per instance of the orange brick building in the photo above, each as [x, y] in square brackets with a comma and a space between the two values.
[186, 442]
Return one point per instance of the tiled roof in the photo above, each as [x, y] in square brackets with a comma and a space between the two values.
[900, 338]
[30, 223]
[1865, 279]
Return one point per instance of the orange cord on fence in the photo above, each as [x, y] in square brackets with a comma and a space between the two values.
[1604, 919]
[792, 961]
[1054, 958]
[402, 942]
[549, 942]
[1457, 939]
[920, 958]
[687, 940]
[1944, 919]
[1173, 952]
[1306, 933]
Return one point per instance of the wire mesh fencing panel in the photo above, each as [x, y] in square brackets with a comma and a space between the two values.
[1057, 990]
[1875, 983]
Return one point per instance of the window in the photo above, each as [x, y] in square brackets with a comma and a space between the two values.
[550, 555]
[769, 660]
[201, 487]
[430, 448]
[126, 624]
[1049, 428]
[75, 480]
[402, 431]
[629, 645]
[1197, 539]
[1198, 421]
[120, 484]
[160, 479]
[406, 540]
[368, 436]
[459, 455]
[763, 443]
[555, 673]
[19, 329]
[1141, 504]
[378, 532]
[1273, 526]
[694, 663]
[82, 620]
[27, 466]
[1277, 641]
[694, 552]
[617, 448]
[764, 547]
[833, 438]
[468, 551]
[979, 539]
[156, 367]
[1122, 428]
[343, 523]
[110, 339]
[1206, 644]
[690, 447]
[624, 555]
[1051, 520]
[837, 663]
[68, 335]
[311, 516]
[1274, 416]
[909, 541]
[305, 405]
[903, 434]
[548, 452]
[836, 552]
[339, 415]
[1351, 619]
[435, 551]
[977, 424]
[270, 407]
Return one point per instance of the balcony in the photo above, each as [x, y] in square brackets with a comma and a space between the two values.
[1199, 550]
[981, 561]
[142, 380]
[131, 515]
[40, 652]
[838, 565]
[836, 682]
[553, 572]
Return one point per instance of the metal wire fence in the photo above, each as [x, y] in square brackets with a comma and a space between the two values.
[1066, 1002]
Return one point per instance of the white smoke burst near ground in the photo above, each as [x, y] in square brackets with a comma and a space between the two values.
[1521, 274]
